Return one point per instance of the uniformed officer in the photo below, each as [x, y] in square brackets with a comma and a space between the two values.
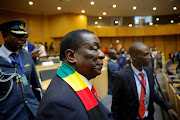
[20, 89]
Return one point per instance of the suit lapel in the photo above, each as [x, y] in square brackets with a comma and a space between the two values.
[132, 81]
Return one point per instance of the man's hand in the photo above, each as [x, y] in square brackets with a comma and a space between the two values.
[173, 114]
[34, 54]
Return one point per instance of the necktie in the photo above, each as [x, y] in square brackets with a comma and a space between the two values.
[142, 107]
[93, 90]
[13, 55]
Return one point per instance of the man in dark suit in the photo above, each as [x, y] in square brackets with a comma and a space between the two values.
[70, 96]
[134, 92]
[31, 48]
[122, 58]
[113, 68]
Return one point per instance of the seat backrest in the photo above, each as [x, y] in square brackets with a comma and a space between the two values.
[57, 60]
[47, 74]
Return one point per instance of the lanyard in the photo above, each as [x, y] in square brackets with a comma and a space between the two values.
[118, 66]
[20, 62]
[141, 82]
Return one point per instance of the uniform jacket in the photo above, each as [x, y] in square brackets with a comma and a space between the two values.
[125, 101]
[60, 102]
[112, 70]
[19, 105]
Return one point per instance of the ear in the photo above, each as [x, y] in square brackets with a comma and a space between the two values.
[5, 36]
[133, 56]
[70, 56]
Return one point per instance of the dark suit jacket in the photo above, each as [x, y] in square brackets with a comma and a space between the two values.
[125, 101]
[112, 70]
[122, 61]
[31, 47]
[60, 102]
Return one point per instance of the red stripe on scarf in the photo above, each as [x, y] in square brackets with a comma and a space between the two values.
[87, 98]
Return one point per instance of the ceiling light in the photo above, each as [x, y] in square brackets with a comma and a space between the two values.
[154, 8]
[114, 6]
[83, 11]
[30, 3]
[150, 23]
[130, 25]
[116, 21]
[172, 21]
[92, 2]
[59, 8]
[174, 8]
[104, 13]
[157, 19]
[100, 18]
[134, 8]
[96, 22]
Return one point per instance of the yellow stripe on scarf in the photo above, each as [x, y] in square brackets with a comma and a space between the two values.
[75, 81]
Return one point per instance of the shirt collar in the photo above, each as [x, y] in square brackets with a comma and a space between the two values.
[25, 46]
[86, 81]
[5, 51]
[136, 70]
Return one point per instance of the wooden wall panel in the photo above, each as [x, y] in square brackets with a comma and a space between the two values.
[149, 41]
[103, 32]
[169, 45]
[138, 39]
[170, 29]
[105, 42]
[119, 45]
[35, 28]
[159, 43]
[128, 42]
[178, 43]
[60, 25]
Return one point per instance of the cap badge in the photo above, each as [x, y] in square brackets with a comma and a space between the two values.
[21, 26]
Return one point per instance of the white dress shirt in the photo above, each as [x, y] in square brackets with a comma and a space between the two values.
[138, 84]
[42, 51]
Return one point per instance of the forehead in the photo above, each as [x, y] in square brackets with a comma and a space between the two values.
[143, 49]
[91, 39]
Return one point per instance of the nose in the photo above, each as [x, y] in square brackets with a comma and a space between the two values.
[149, 57]
[101, 54]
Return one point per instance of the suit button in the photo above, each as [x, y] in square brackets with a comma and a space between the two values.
[26, 101]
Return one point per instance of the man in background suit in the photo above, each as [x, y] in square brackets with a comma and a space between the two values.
[134, 92]
[122, 58]
[31, 48]
[70, 95]
[113, 68]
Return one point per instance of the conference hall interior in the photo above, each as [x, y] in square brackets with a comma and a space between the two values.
[118, 24]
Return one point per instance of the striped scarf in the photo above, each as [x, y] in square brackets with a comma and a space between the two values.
[72, 78]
